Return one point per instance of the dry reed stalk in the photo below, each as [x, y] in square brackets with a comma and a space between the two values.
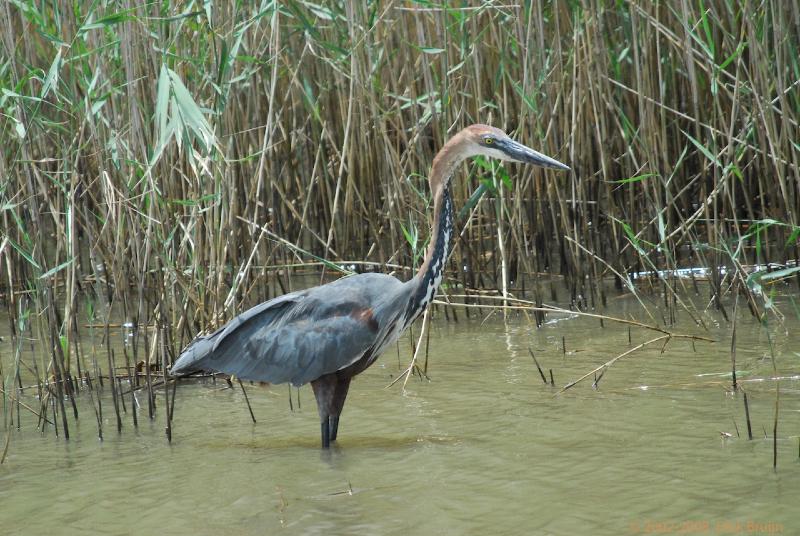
[537, 366]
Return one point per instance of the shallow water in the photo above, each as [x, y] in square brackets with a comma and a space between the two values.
[484, 447]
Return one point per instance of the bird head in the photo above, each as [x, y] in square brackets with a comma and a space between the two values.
[494, 143]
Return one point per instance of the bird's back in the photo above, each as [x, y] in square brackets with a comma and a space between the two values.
[300, 336]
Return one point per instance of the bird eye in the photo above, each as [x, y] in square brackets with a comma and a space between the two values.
[488, 141]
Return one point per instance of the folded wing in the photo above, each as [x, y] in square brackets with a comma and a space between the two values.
[300, 336]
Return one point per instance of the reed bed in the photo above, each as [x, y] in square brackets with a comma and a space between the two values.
[171, 163]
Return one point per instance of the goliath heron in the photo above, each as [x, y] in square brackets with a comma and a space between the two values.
[327, 334]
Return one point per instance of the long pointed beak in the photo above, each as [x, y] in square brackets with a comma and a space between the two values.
[520, 153]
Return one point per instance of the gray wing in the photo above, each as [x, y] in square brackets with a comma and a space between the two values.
[300, 336]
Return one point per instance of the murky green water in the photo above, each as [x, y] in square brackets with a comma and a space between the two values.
[483, 448]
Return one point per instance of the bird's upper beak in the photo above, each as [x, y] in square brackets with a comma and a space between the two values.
[520, 153]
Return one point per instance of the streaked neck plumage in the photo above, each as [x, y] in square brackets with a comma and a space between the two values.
[429, 275]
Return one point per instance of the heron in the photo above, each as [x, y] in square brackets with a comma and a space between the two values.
[328, 334]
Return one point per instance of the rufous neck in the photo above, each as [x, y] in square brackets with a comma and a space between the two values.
[444, 164]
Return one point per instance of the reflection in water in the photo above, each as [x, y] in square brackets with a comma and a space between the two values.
[483, 448]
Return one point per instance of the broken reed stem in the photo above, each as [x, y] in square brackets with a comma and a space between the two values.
[172, 401]
[114, 396]
[598, 378]
[747, 417]
[733, 335]
[151, 400]
[607, 364]
[777, 396]
[775, 427]
[537, 366]
[162, 350]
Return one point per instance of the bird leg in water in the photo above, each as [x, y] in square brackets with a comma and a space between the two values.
[330, 392]
[324, 389]
[339, 395]
[326, 434]
[333, 426]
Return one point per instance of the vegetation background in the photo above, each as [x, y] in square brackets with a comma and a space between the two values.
[170, 163]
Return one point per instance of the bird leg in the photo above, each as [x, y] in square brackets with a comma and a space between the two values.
[333, 426]
[330, 392]
[324, 389]
[339, 395]
[326, 434]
